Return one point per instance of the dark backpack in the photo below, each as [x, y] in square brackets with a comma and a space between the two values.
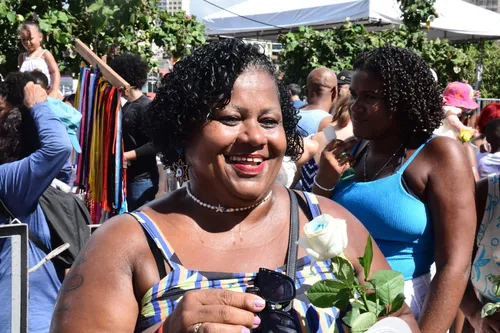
[68, 220]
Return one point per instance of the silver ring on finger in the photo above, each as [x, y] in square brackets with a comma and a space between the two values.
[197, 327]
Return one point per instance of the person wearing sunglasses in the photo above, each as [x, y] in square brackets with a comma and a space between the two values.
[219, 254]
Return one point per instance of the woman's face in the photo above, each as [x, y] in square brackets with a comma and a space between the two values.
[236, 156]
[369, 115]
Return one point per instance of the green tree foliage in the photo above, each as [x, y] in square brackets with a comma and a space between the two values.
[416, 12]
[490, 87]
[336, 48]
[107, 26]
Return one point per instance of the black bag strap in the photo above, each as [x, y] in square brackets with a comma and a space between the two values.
[293, 248]
[32, 237]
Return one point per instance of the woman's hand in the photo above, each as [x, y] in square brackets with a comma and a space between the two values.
[335, 159]
[336, 156]
[217, 310]
[490, 324]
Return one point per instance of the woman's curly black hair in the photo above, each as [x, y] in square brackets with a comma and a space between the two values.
[409, 89]
[131, 68]
[18, 132]
[13, 91]
[202, 83]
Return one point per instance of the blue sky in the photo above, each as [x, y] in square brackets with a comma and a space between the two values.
[201, 8]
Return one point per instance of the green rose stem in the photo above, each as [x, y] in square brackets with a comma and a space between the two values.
[387, 287]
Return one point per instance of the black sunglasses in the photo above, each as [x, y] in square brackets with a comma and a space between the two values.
[278, 290]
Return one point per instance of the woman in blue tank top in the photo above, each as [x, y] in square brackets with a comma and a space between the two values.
[412, 192]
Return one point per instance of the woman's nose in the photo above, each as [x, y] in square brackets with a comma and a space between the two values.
[253, 134]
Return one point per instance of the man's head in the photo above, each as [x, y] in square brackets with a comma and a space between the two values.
[322, 88]
[493, 134]
[41, 79]
[344, 82]
[294, 90]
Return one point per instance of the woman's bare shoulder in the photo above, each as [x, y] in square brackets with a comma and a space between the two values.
[111, 235]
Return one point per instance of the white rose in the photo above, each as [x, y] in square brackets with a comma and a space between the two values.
[324, 238]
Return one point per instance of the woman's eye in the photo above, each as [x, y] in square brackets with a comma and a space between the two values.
[269, 123]
[231, 121]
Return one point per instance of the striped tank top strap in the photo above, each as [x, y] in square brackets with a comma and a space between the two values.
[312, 202]
[154, 232]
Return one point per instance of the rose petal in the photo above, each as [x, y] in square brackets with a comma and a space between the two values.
[313, 254]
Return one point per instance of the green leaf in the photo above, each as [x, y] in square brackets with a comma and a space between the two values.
[388, 285]
[63, 17]
[44, 26]
[343, 270]
[367, 258]
[95, 6]
[369, 286]
[329, 293]
[11, 16]
[363, 322]
[489, 309]
[397, 303]
[351, 316]
[374, 305]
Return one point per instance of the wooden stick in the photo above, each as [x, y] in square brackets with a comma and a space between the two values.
[93, 60]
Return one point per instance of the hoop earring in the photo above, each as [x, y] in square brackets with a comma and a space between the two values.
[181, 171]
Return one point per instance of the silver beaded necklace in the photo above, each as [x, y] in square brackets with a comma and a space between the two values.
[386, 163]
[220, 209]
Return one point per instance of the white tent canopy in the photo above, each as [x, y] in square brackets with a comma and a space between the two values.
[458, 20]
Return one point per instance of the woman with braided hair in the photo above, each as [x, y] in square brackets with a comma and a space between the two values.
[408, 188]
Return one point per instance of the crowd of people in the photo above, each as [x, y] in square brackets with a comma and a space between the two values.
[380, 146]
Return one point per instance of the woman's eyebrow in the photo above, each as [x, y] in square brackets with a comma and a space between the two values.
[245, 110]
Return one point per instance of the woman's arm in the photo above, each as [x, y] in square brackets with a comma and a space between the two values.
[456, 123]
[103, 290]
[23, 182]
[55, 75]
[357, 236]
[450, 196]
[98, 293]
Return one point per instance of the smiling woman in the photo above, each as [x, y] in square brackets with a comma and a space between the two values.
[199, 260]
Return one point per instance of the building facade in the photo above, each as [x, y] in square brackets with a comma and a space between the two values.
[173, 6]
[493, 5]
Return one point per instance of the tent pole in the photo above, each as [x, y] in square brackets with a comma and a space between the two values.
[479, 66]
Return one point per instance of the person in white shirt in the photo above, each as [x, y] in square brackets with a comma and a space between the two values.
[490, 162]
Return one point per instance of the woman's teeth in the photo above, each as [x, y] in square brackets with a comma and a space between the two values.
[246, 159]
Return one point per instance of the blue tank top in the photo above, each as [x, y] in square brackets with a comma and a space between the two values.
[400, 223]
[310, 119]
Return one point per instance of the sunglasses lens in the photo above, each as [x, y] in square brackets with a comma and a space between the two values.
[275, 287]
[276, 321]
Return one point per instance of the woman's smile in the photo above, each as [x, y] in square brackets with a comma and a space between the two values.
[247, 165]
